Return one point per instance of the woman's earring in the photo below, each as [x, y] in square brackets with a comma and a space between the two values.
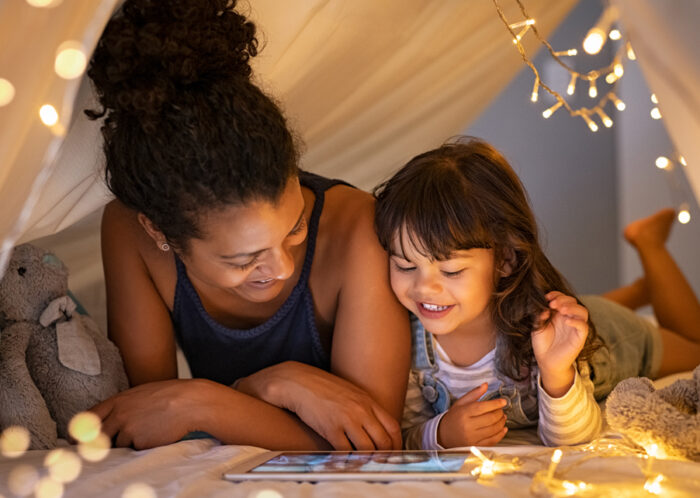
[164, 246]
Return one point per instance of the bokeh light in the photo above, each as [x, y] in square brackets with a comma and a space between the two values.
[64, 466]
[7, 92]
[14, 441]
[265, 493]
[48, 488]
[139, 490]
[95, 450]
[22, 479]
[85, 427]
[70, 60]
[44, 3]
[662, 162]
[48, 115]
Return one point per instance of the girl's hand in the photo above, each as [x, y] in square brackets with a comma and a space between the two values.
[343, 414]
[557, 344]
[153, 414]
[471, 422]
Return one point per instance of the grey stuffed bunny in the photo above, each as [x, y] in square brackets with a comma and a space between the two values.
[54, 362]
[669, 417]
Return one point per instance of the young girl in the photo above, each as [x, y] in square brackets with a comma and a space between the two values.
[499, 340]
[270, 279]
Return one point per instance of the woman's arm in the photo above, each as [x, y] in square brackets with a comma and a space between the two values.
[136, 417]
[371, 339]
[138, 319]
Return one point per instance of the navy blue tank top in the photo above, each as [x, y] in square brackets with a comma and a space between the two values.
[221, 354]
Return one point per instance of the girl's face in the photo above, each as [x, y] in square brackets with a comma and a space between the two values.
[451, 295]
[250, 249]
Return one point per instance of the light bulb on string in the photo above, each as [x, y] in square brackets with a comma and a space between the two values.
[618, 69]
[548, 112]
[572, 84]
[607, 121]
[520, 24]
[662, 162]
[615, 34]
[618, 103]
[611, 78]
[592, 89]
[655, 113]
[566, 53]
[653, 98]
[684, 214]
[591, 124]
[630, 53]
[681, 160]
[535, 89]
[596, 36]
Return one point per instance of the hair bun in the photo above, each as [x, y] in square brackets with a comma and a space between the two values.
[154, 50]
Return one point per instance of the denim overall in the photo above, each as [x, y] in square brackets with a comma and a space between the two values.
[435, 392]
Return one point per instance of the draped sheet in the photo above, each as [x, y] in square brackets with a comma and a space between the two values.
[665, 38]
[365, 84]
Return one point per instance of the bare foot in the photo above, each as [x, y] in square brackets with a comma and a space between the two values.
[652, 231]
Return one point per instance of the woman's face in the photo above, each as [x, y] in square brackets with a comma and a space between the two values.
[249, 249]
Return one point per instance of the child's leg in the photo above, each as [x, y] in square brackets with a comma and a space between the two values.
[680, 354]
[632, 296]
[675, 305]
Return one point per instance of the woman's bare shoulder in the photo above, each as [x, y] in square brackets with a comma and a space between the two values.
[348, 215]
[126, 244]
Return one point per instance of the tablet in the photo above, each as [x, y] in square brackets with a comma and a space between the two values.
[355, 465]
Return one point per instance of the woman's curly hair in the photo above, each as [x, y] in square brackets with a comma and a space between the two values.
[465, 195]
[185, 130]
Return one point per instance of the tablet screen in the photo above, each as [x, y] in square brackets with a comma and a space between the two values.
[364, 462]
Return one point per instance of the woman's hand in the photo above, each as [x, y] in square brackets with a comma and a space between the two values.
[472, 422]
[557, 344]
[341, 413]
[153, 414]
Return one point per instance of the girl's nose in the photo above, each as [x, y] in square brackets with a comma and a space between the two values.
[428, 284]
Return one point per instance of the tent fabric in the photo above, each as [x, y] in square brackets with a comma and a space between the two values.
[365, 84]
[665, 38]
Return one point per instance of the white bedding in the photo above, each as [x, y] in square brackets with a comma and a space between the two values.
[194, 469]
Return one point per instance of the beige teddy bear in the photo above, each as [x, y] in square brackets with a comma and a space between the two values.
[669, 417]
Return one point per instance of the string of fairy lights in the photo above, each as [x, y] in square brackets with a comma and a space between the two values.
[593, 43]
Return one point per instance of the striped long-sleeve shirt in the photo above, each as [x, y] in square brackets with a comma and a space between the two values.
[571, 419]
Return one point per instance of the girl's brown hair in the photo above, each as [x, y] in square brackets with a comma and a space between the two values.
[465, 195]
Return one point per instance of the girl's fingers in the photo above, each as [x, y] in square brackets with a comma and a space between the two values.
[490, 420]
[483, 407]
[579, 325]
[493, 439]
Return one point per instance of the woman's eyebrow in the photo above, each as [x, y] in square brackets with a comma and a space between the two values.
[256, 253]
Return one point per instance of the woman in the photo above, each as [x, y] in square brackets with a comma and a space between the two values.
[270, 279]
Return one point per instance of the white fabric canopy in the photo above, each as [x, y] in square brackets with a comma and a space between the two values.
[666, 38]
[366, 84]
